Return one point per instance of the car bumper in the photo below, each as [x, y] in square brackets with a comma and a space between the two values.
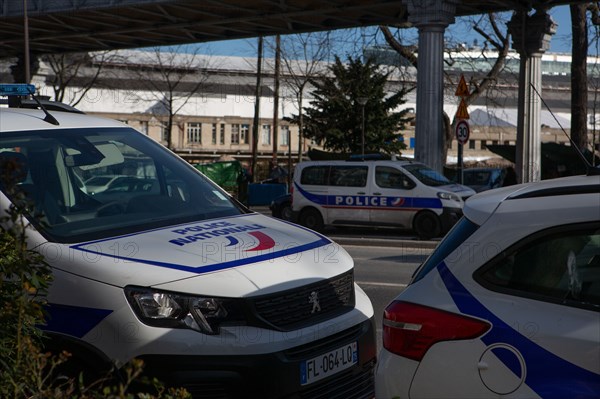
[394, 375]
[272, 375]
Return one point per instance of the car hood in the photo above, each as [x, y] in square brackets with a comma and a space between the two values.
[236, 256]
[462, 191]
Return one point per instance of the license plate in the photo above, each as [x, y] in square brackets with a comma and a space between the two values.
[329, 363]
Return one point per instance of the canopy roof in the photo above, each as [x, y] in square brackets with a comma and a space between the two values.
[71, 26]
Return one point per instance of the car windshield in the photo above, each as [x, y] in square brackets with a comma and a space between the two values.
[84, 184]
[427, 175]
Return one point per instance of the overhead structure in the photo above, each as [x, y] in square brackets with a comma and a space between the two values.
[85, 25]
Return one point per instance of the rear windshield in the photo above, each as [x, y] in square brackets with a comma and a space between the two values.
[461, 231]
[82, 184]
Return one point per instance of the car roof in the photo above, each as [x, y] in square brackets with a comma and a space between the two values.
[468, 170]
[481, 206]
[20, 119]
[360, 162]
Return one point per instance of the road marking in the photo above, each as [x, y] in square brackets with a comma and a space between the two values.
[398, 285]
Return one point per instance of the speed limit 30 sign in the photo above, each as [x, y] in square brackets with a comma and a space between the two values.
[462, 131]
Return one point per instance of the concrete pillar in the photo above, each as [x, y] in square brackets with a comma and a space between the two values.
[431, 18]
[531, 38]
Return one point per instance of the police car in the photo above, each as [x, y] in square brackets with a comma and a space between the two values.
[213, 297]
[381, 193]
[508, 305]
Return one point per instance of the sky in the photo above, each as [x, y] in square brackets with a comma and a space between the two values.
[247, 47]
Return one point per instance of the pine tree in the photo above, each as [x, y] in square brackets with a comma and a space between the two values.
[335, 116]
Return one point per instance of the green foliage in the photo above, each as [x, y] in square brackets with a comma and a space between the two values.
[335, 116]
[26, 371]
[24, 280]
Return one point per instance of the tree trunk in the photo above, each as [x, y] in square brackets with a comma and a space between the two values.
[276, 99]
[579, 94]
[257, 95]
[300, 123]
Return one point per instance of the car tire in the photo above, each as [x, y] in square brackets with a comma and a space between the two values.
[427, 225]
[312, 219]
[286, 212]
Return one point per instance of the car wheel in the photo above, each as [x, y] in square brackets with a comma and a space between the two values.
[427, 225]
[312, 219]
[286, 212]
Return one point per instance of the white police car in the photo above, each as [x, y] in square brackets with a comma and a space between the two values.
[213, 297]
[381, 193]
[508, 305]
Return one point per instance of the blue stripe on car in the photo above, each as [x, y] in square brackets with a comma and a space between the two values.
[76, 321]
[200, 269]
[547, 374]
[366, 201]
[321, 241]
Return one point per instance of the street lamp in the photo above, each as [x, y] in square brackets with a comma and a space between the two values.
[363, 101]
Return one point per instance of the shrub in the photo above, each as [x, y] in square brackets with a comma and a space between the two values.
[26, 371]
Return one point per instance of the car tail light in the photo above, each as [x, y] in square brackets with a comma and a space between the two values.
[409, 330]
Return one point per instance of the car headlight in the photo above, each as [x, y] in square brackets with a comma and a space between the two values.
[448, 196]
[165, 309]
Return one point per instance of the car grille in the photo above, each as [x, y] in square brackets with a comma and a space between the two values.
[295, 308]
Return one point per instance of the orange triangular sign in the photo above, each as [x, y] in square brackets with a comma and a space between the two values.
[461, 112]
[462, 90]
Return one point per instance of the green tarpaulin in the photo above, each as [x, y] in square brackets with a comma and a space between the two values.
[229, 175]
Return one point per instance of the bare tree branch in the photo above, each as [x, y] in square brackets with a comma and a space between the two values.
[407, 52]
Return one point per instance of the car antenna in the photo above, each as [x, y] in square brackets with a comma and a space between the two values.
[49, 118]
[591, 170]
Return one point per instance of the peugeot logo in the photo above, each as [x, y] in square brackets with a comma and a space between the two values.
[314, 299]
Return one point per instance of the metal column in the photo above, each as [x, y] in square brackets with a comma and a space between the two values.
[431, 18]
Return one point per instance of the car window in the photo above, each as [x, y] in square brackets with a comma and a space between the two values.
[315, 175]
[82, 184]
[349, 176]
[559, 266]
[427, 175]
[459, 233]
[388, 177]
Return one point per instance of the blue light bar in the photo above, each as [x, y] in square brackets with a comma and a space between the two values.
[12, 89]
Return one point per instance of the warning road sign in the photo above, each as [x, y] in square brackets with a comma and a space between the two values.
[462, 90]
[461, 112]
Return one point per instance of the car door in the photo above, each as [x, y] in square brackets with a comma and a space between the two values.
[394, 191]
[348, 201]
[545, 309]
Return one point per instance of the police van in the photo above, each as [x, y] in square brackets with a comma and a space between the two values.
[211, 296]
[385, 193]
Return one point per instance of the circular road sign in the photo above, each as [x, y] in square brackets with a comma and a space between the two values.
[462, 131]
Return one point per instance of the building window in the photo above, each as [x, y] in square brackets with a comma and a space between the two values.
[144, 127]
[244, 133]
[266, 134]
[194, 132]
[214, 134]
[235, 133]
[284, 135]
[164, 128]
[222, 134]
[471, 144]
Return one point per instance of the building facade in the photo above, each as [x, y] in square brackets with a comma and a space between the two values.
[213, 102]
